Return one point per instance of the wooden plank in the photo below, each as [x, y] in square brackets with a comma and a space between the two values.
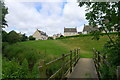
[53, 76]
[42, 70]
[63, 65]
[70, 61]
[54, 61]
[118, 72]
[67, 72]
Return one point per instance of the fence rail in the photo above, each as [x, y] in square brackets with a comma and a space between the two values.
[101, 59]
[72, 57]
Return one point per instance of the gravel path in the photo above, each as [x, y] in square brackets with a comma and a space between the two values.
[84, 69]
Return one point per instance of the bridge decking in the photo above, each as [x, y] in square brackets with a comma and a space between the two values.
[84, 69]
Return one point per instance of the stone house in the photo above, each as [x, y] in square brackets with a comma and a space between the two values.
[70, 31]
[40, 35]
[87, 29]
[56, 35]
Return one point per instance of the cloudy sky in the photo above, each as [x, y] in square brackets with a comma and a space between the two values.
[50, 17]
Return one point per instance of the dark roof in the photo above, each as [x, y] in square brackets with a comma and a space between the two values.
[42, 33]
[79, 32]
[89, 28]
[70, 30]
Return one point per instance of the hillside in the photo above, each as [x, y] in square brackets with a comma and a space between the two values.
[49, 49]
[27, 55]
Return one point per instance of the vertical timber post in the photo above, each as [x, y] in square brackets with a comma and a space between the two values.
[74, 57]
[79, 53]
[63, 65]
[70, 61]
[42, 69]
[98, 58]
[118, 72]
[104, 57]
[98, 53]
[94, 55]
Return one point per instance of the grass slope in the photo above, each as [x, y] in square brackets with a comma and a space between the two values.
[86, 44]
[50, 49]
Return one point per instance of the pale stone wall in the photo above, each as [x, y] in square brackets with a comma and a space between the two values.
[70, 33]
[85, 32]
[38, 36]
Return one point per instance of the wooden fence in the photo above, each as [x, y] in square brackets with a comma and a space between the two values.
[72, 59]
[101, 59]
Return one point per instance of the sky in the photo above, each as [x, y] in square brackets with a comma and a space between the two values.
[50, 17]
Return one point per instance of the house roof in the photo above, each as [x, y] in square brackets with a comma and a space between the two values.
[42, 33]
[89, 28]
[70, 30]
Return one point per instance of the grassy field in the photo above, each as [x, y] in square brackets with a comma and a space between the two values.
[30, 53]
[49, 49]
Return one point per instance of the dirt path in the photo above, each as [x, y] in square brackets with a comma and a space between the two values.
[84, 69]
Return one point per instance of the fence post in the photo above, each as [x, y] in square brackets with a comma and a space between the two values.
[118, 72]
[42, 69]
[79, 53]
[104, 57]
[63, 65]
[74, 57]
[70, 61]
[94, 55]
[98, 58]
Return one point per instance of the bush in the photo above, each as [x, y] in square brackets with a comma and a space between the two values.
[4, 36]
[31, 38]
[13, 37]
[13, 69]
[24, 37]
[50, 38]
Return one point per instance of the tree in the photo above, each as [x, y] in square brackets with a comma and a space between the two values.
[31, 38]
[24, 37]
[4, 11]
[104, 14]
[4, 36]
[50, 38]
[13, 37]
[107, 16]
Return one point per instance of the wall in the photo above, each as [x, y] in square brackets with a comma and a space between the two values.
[38, 36]
[70, 33]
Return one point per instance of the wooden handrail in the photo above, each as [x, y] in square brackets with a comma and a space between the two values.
[99, 60]
[74, 57]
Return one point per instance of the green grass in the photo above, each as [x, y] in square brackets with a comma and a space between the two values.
[85, 44]
[50, 49]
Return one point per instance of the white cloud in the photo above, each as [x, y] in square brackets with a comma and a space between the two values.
[51, 18]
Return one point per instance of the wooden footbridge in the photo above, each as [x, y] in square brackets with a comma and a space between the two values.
[72, 66]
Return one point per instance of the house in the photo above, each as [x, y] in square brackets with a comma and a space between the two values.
[79, 32]
[87, 29]
[70, 31]
[56, 35]
[40, 35]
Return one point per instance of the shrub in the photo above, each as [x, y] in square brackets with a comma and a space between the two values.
[13, 69]
[31, 38]
[50, 38]
[13, 37]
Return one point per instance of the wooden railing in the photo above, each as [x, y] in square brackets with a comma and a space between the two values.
[101, 59]
[68, 62]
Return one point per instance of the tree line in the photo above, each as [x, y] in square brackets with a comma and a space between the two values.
[13, 37]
